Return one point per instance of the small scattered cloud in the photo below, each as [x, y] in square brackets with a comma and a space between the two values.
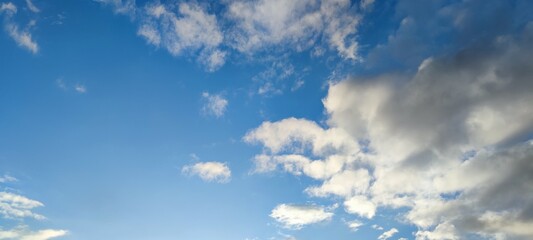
[298, 216]
[354, 225]
[209, 171]
[214, 104]
[80, 88]
[67, 86]
[377, 227]
[388, 234]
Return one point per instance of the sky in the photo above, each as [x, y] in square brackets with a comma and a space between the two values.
[266, 119]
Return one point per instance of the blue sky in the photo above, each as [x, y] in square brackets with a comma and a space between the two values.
[372, 119]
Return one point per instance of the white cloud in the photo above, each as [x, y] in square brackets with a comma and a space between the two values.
[297, 216]
[7, 178]
[15, 206]
[354, 225]
[214, 104]
[22, 37]
[23, 233]
[298, 24]
[209, 171]
[388, 234]
[188, 30]
[126, 7]
[80, 88]
[32, 6]
[365, 4]
[361, 206]
[377, 227]
[414, 138]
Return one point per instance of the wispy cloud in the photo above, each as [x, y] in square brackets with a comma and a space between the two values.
[7, 178]
[22, 36]
[32, 6]
[214, 104]
[67, 86]
[388, 234]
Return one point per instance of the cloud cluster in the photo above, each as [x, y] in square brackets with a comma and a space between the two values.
[21, 35]
[209, 31]
[209, 171]
[448, 144]
[16, 207]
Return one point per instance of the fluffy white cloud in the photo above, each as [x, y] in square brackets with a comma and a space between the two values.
[23, 233]
[297, 216]
[215, 104]
[21, 36]
[299, 24]
[388, 234]
[360, 205]
[189, 28]
[17, 206]
[209, 171]
[446, 143]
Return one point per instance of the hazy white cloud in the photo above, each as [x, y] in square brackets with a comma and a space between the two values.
[365, 4]
[32, 6]
[388, 234]
[15, 206]
[23, 233]
[126, 7]
[7, 178]
[68, 86]
[80, 88]
[354, 225]
[22, 36]
[377, 227]
[209, 171]
[297, 216]
[214, 104]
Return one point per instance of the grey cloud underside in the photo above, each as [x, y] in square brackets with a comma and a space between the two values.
[450, 143]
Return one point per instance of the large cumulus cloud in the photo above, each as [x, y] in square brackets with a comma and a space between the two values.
[450, 143]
